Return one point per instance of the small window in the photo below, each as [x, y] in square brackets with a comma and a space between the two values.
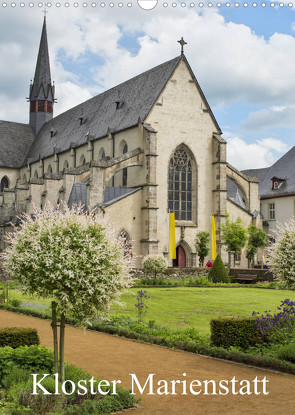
[49, 169]
[36, 174]
[271, 211]
[238, 256]
[275, 185]
[4, 183]
[66, 165]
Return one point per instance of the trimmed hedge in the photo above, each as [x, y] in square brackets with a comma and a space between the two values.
[218, 272]
[202, 349]
[18, 336]
[237, 332]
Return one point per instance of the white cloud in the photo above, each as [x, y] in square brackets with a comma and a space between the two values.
[231, 62]
[275, 116]
[70, 93]
[262, 153]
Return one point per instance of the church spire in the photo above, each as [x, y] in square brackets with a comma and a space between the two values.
[41, 90]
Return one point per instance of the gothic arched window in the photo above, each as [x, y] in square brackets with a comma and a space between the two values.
[124, 181]
[101, 154]
[4, 183]
[180, 185]
[126, 242]
[82, 160]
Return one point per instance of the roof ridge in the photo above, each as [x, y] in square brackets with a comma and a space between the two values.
[178, 58]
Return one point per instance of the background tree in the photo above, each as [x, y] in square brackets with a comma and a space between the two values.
[281, 253]
[72, 257]
[257, 239]
[202, 246]
[154, 264]
[234, 236]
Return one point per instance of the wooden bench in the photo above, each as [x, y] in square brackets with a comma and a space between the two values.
[246, 278]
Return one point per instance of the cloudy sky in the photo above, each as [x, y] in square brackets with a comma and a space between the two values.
[243, 58]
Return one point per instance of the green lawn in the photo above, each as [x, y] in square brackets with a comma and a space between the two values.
[193, 307]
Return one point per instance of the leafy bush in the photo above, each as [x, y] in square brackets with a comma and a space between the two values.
[287, 352]
[31, 358]
[154, 264]
[15, 302]
[17, 336]
[218, 272]
[236, 332]
[20, 401]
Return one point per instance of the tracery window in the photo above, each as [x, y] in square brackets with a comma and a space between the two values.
[125, 237]
[180, 185]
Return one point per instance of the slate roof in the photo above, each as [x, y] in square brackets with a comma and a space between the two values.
[283, 168]
[78, 196]
[136, 96]
[113, 194]
[15, 141]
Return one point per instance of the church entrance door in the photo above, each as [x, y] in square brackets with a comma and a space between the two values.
[180, 260]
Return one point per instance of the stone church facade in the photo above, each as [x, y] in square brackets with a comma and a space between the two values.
[135, 152]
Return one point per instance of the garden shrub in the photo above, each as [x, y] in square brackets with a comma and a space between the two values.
[287, 352]
[31, 358]
[239, 332]
[18, 336]
[154, 264]
[20, 401]
[218, 272]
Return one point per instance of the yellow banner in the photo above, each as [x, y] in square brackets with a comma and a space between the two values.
[213, 240]
[172, 236]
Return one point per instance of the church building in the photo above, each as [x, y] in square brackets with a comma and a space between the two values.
[146, 147]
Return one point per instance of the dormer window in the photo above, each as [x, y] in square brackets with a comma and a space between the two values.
[52, 132]
[277, 182]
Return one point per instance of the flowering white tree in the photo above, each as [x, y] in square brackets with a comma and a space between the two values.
[73, 258]
[281, 253]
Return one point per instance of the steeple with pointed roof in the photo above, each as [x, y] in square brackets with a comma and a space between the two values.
[41, 90]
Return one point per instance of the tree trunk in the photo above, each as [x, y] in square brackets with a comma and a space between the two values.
[62, 347]
[54, 330]
[229, 261]
[7, 288]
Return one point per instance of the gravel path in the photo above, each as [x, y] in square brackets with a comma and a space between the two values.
[112, 358]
